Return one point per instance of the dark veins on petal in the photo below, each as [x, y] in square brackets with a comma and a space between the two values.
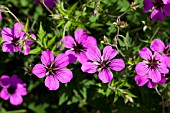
[16, 42]
[78, 48]
[104, 64]
[153, 63]
[167, 51]
[158, 4]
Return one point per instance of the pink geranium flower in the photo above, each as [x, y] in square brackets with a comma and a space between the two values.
[78, 46]
[153, 66]
[158, 46]
[15, 39]
[160, 7]
[54, 69]
[12, 89]
[103, 64]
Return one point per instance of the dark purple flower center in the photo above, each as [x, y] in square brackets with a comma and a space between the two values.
[167, 51]
[104, 64]
[153, 63]
[16, 42]
[78, 48]
[11, 90]
[51, 69]
[158, 4]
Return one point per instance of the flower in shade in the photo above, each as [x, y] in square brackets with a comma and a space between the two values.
[142, 80]
[12, 89]
[102, 63]
[15, 39]
[158, 46]
[54, 69]
[78, 46]
[152, 67]
[48, 3]
[160, 7]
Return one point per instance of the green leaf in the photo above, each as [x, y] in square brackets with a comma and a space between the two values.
[63, 98]
[72, 9]
[61, 23]
[26, 27]
[37, 50]
[51, 42]
[41, 33]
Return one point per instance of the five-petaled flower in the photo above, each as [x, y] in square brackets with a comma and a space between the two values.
[13, 89]
[48, 3]
[153, 67]
[15, 39]
[160, 7]
[159, 46]
[103, 63]
[78, 47]
[54, 69]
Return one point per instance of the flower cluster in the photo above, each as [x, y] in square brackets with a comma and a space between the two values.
[12, 88]
[152, 71]
[16, 40]
[160, 7]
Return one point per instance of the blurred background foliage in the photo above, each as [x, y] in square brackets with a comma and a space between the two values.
[119, 23]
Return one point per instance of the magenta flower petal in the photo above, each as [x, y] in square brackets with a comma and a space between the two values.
[72, 56]
[145, 53]
[166, 60]
[68, 41]
[4, 81]
[33, 36]
[162, 68]
[105, 75]
[26, 50]
[51, 82]
[50, 3]
[80, 36]
[151, 84]
[90, 42]
[8, 47]
[147, 5]
[158, 56]
[141, 80]
[4, 94]
[39, 70]
[16, 99]
[163, 79]
[21, 90]
[64, 75]
[61, 60]
[142, 68]
[15, 80]
[155, 75]
[117, 64]
[94, 54]
[17, 30]
[109, 53]
[157, 14]
[166, 1]
[7, 34]
[89, 67]
[82, 58]
[157, 45]
[47, 57]
[166, 9]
